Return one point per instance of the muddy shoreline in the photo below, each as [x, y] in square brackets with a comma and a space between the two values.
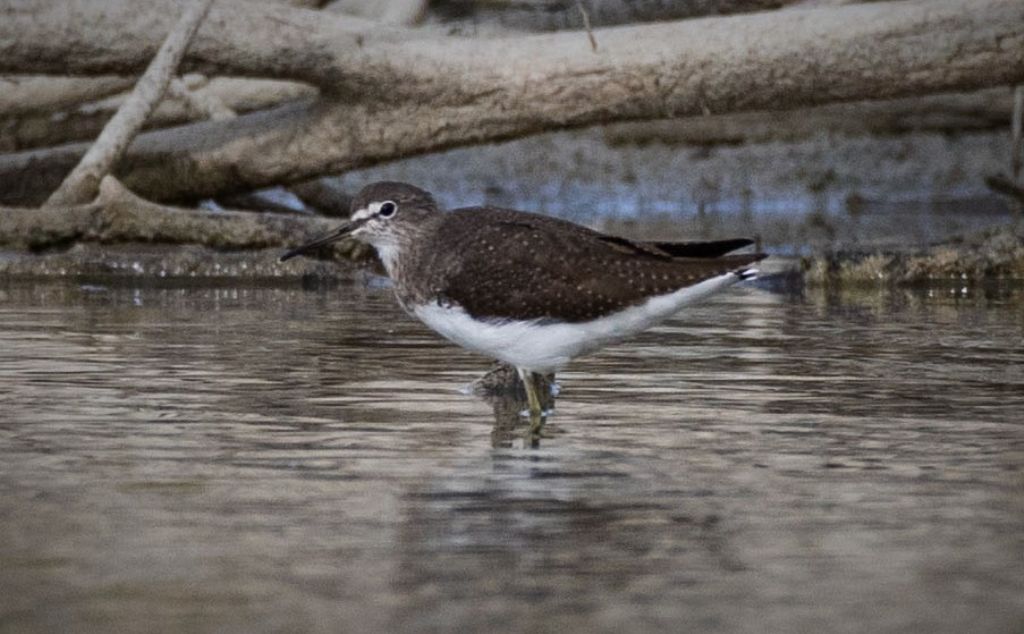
[991, 256]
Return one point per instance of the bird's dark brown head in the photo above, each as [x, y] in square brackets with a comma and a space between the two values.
[385, 214]
[402, 194]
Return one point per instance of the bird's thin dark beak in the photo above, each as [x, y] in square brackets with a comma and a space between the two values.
[334, 236]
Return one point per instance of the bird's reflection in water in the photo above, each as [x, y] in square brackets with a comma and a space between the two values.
[503, 389]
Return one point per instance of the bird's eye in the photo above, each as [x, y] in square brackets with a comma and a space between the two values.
[387, 209]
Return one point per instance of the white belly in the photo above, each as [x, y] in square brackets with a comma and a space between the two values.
[547, 347]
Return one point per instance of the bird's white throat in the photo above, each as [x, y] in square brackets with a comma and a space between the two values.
[388, 251]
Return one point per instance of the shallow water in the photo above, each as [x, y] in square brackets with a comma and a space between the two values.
[264, 459]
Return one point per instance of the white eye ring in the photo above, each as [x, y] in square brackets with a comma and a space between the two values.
[387, 209]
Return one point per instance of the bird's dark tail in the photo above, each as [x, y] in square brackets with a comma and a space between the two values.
[743, 266]
[748, 273]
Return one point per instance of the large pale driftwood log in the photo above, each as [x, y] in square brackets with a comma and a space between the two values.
[469, 91]
[83, 182]
[362, 60]
[47, 93]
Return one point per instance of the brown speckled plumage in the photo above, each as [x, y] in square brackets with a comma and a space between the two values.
[505, 264]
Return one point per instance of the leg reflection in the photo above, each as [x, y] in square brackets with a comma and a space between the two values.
[513, 394]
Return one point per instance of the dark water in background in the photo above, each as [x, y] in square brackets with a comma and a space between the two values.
[826, 193]
[276, 459]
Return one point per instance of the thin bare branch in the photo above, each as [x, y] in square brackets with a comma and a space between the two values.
[586, 24]
[82, 183]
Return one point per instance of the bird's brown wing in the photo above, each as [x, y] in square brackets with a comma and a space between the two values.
[541, 268]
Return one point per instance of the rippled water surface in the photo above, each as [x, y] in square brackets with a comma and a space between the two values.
[246, 459]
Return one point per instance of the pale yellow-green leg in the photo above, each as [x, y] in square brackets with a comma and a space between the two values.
[532, 400]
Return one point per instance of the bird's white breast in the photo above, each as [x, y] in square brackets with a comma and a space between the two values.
[545, 346]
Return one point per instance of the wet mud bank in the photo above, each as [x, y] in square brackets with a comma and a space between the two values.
[993, 256]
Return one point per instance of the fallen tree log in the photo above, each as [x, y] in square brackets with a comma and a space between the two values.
[363, 60]
[117, 215]
[244, 38]
[435, 94]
